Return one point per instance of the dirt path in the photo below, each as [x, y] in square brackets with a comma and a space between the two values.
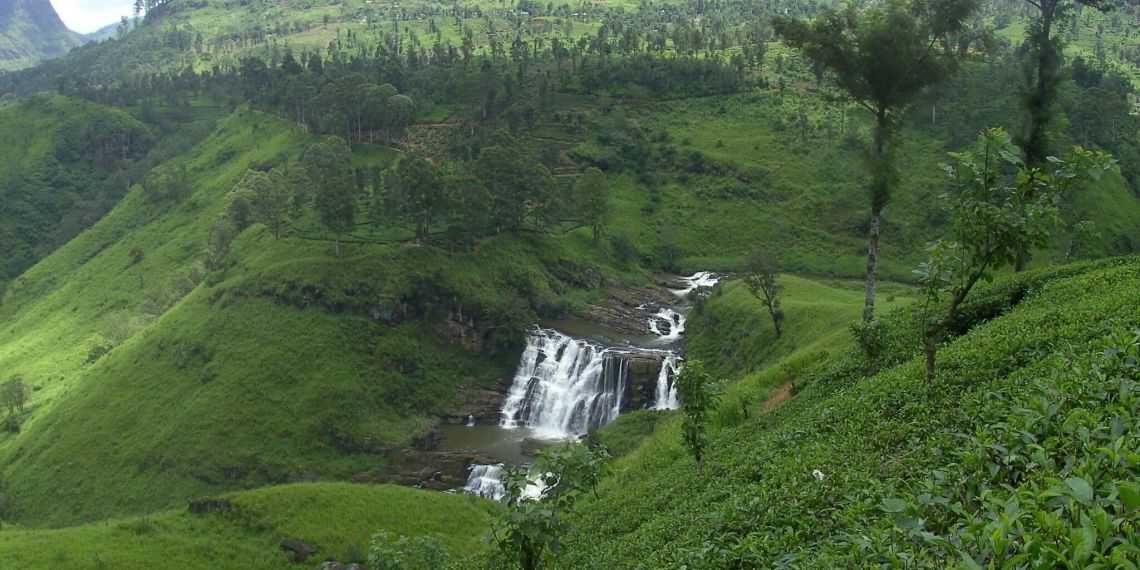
[781, 395]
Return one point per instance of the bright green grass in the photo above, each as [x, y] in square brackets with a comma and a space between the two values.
[756, 502]
[337, 518]
[276, 373]
[733, 335]
[801, 199]
[733, 332]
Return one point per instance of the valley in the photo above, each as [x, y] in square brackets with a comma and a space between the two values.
[358, 285]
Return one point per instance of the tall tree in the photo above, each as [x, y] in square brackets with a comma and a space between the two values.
[591, 191]
[1044, 74]
[423, 196]
[329, 165]
[883, 55]
[1043, 79]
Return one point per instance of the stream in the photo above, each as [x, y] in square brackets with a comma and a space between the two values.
[575, 376]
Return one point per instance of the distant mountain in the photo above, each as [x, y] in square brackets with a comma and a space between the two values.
[107, 32]
[31, 31]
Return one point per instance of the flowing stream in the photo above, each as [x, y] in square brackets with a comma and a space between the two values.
[566, 386]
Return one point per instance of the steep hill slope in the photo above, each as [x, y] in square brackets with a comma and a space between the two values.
[1030, 417]
[290, 364]
[65, 163]
[31, 31]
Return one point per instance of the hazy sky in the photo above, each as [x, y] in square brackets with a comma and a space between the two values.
[86, 16]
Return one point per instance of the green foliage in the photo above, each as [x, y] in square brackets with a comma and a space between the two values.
[14, 395]
[697, 392]
[63, 165]
[1046, 479]
[878, 438]
[760, 277]
[337, 518]
[995, 219]
[397, 552]
[328, 164]
[528, 534]
[592, 193]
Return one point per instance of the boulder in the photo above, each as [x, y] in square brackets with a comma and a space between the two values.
[297, 550]
[207, 505]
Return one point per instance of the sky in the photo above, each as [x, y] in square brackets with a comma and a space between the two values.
[86, 16]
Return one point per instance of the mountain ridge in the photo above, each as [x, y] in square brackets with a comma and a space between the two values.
[32, 31]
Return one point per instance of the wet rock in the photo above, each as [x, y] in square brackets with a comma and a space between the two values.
[297, 550]
[641, 385]
[334, 565]
[627, 310]
[461, 330]
[435, 470]
[481, 403]
[430, 441]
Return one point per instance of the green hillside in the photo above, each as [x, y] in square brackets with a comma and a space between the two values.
[31, 31]
[1032, 398]
[258, 252]
[285, 335]
[336, 519]
[65, 164]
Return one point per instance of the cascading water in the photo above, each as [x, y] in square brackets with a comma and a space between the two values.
[699, 280]
[668, 325]
[486, 481]
[665, 397]
[564, 386]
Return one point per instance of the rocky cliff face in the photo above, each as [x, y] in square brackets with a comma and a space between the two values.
[31, 31]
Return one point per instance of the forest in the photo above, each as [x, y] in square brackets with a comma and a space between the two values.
[491, 284]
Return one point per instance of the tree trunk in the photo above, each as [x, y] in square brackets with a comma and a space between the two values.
[931, 348]
[880, 192]
[872, 268]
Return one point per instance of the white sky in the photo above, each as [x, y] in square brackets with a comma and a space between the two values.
[86, 16]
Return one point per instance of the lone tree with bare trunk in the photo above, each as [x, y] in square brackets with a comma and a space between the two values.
[760, 277]
[883, 56]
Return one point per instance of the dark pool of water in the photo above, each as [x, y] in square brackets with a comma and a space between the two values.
[511, 446]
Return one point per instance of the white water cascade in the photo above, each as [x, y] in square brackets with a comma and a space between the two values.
[665, 397]
[699, 280]
[673, 322]
[486, 481]
[564, 386]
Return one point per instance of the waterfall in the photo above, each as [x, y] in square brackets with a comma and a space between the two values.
[699, 280]
[673, 322]
[565, 386]
[486, 481]
[665, 397]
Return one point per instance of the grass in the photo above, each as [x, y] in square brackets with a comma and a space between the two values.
[756, 502]
[291, 365]
[337, 518]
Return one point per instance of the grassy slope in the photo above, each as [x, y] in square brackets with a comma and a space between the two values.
[233, 385]
[337, 518]
[50, 184]
[801, 197]
[733, 335]
[756, 502]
